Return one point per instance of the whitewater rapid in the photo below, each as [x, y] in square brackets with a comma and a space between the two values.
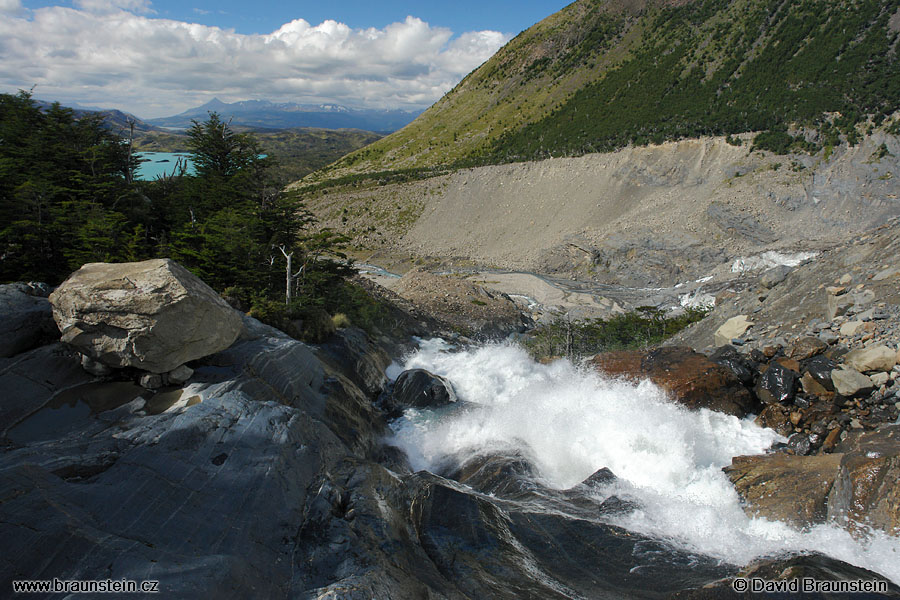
[570, 422]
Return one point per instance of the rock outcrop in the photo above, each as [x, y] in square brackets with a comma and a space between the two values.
[418, 388]
[25, 318]
[689, 377]
[153, 315]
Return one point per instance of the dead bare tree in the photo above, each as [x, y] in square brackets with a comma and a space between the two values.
[289, 276]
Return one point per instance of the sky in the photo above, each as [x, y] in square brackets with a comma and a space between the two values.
[161, 57]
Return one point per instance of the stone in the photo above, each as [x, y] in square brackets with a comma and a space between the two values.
[812, 387]
[820, 368]
[151, 381]
[733, 328]
[418, 388]
[866, 490]
[879, 379]
[845, 279]
[729, 357]
[850, 328]
[26, 319]
[829, 337]
[777, 384]
[775, 416]
[179, 375]
[95, 368]
[850, 383]
[153, 315]
[886, 274]
[872, 358]
[831, 440]
[806, 347]
[837, 306]
[774, 276]
[793, 489]
[690, 378]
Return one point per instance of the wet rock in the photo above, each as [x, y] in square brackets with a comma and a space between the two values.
[777, 384]
[154, 315]
[799, 443]
[26, 320]
[352, 350]
[850, 383]
[872, 358]
[793, 489]
[690, 378]
[729, 357]
[777, 417]
[731, 329]
[418, 388]
[820, 368]
[866, 490]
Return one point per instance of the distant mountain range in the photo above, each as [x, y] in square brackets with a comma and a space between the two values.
[282, 115]
[116, 120]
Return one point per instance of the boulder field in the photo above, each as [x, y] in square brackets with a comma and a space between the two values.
[260, 470]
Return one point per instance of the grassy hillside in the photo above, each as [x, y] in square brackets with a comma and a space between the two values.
[602, 74]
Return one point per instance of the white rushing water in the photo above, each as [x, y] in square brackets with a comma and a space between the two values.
[571, 422]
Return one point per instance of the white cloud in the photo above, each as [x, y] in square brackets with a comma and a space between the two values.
[104, 53]
[11, 7]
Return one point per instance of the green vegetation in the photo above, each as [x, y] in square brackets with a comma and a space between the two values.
[602, 74]
[296, 152]
[67, 197]
[576, 339]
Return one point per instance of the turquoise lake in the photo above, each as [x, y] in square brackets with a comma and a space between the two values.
[159, 164]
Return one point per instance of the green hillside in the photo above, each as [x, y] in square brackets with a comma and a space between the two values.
[601, 74]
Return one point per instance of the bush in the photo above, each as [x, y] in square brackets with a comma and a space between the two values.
[576, 339]
[340, 321]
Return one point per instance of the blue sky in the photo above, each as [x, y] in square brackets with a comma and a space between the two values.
[160, 57]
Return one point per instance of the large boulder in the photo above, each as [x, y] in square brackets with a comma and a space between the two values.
[153, 315]
[783, 487]
[866, 489]
[418, 388]
[689, 377]
[25, 319]
[733, 328]
[873, 358]
[850, 383]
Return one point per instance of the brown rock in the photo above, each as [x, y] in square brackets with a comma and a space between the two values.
[789, 488]
[807, 347]
[832, 439]
[770, 350]
[813, 387]
[866, 490]
[775, 416]
[789, 363]
[690, 378]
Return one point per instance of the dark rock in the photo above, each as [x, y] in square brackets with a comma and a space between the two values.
[729, 357]
[26, 320]
[777, 384]
[820, 368]
[793, 568]
[690, 378]
[418, 388]
[799, 444]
